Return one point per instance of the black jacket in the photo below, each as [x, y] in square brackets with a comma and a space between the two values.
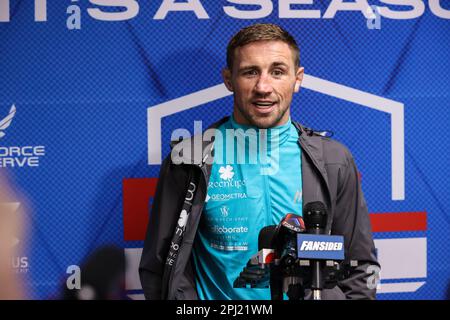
[329, 175]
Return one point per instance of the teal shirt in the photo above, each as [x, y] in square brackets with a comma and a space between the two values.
[255, 181]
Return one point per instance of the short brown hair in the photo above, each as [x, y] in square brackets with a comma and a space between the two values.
[261, 32]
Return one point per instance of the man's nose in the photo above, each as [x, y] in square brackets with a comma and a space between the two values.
[264, 85]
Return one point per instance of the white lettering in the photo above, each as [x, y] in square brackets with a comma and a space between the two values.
[131, 6]
[435, 6]
[417, 10]
[39, 151]
[303, 246]
[193, 310]
[287, 12]
[287, 9]
[223, 229]
[175, 246]
[19, 162]
[266, 8]
[340, 5]
[320, 246]
[179, 231]
[226, 184]
[213, 155]
[190, 5]
[74, 280]
[26, 151]
[180, 150]
[226, 196]
[73, 21]
[4, 11]
[374, 22]
[191, 191]
[40, 10]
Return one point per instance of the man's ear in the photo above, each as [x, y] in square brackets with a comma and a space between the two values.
[226, 75]
[298, 79]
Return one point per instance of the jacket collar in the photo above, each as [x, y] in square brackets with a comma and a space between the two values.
[311, 143]
[309, 140]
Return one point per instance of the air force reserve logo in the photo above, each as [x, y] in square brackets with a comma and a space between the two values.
[6, 122]
[17, 156]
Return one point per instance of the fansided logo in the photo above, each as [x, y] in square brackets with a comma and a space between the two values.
[311, 246]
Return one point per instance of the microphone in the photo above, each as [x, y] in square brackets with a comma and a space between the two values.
[265, 253]
[315, 217]
[296, 254]
[284, 274]
[256, 272]
[265, 237]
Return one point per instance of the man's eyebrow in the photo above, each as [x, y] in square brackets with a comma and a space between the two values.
[253, 67]
[277, 64]
[249, 67]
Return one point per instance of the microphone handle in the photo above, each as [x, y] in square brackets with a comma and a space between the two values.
[276, 282]
[316, 284]
[316, 280]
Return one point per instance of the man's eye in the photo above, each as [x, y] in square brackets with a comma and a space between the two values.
[250, 73]
[278, 72]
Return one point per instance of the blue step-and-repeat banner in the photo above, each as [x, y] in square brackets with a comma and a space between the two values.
[91, 90]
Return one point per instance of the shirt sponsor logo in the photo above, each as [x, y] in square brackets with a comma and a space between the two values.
[224, 229]
[229, 247]
[227, 196]
[226, 184]
[225, 211]
[226, 173]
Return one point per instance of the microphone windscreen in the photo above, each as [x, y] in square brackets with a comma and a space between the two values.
[315, 215]
[265, 237]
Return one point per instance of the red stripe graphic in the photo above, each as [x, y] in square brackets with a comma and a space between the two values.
[398, 221]
[136, 199]
[137, 194]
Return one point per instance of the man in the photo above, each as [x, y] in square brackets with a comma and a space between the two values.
[229, 192]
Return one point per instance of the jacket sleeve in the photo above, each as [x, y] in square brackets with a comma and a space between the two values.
[163, 217]
[352, 221]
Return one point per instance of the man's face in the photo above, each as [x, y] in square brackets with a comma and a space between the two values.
[263, 80]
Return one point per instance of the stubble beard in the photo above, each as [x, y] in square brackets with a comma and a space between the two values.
[263, 122]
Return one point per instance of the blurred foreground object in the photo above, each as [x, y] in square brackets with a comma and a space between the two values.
[11, 230]
[102, 276]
